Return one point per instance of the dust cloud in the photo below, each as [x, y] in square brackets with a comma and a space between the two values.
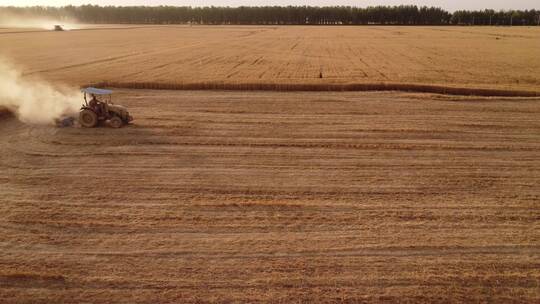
[10, 20]
[34, 101]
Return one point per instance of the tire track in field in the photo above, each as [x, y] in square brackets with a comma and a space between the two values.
[375, 252]
[65, 67]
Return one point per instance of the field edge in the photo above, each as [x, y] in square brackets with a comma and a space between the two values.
[317, 87]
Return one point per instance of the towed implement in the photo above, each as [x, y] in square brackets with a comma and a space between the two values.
[100, 109]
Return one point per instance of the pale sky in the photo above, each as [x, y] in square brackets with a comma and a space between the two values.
[447, 4]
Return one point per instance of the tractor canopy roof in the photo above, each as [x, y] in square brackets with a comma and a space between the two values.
[95, 91]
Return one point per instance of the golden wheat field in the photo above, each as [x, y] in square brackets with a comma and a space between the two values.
[473, 57]
[243, 196]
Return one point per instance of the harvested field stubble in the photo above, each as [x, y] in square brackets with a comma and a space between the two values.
[281, 197]
[426, 58]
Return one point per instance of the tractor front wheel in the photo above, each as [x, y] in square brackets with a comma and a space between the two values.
[116, 122]
[88, 119]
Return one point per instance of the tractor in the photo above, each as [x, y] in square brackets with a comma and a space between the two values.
[100, 109]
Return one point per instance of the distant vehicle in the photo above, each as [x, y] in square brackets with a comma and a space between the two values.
[58, 28]
[101, 109]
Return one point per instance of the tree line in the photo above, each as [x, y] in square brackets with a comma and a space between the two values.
[278, 15]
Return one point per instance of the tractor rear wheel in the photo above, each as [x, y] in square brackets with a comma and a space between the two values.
[116, 122]
[88, 119]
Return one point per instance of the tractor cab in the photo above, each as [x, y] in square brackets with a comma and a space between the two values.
[100, 95]
[98, 107]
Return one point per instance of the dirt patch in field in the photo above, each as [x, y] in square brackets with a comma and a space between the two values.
[31, 280]
[4, 112]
